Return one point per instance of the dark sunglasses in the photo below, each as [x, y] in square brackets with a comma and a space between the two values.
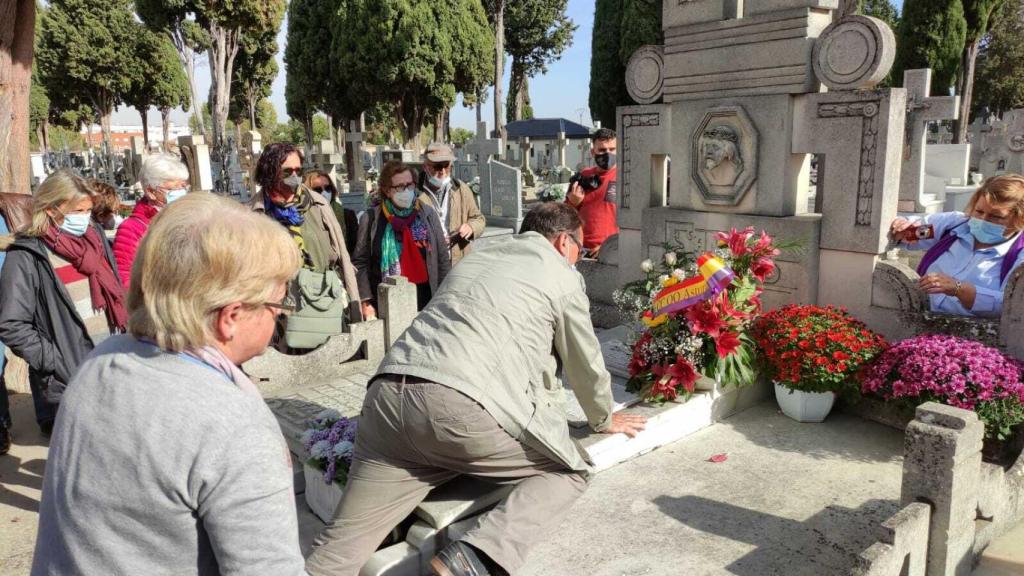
[440, 165]
[286, 172]
[324, 189]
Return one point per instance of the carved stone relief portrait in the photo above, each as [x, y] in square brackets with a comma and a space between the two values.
[721, 159]
[724, 155]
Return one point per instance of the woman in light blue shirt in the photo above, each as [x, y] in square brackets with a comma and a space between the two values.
[970, 255]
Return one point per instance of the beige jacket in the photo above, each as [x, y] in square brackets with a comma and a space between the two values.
[462, 210]
[339, 257]
[496, 330]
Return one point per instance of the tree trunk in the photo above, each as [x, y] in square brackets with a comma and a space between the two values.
[44, 141]
[252, 110]
[88, 134]
[188, 61]
[517, 91]
[223, 49]
[145, 124]
[499, 66]
[165, 118]
[17, 32]
[108, 144]
[308, 125]
[439, 127]
[448, 126]
[966, 90]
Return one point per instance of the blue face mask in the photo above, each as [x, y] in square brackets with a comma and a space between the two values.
[439, 183]
[173, 195]
[987, 232]
[75, 224]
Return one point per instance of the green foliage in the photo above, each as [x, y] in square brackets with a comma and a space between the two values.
[537, 32]
[460, 136]
[307, 63]
[999, 84]
[254, 73]
[883, 10]
[158, 80]
[414, 54]
[978, 14]
[620, 27]
[38, 102]
[932, 34]
[86, 52]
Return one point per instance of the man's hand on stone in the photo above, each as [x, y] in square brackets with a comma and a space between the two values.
[628, 424]
[368, 311]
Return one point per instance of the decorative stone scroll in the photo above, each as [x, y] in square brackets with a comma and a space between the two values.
[854, 53]
[645, 74]
[724, 155]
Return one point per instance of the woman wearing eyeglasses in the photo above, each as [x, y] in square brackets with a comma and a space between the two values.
[325, 291]
[165, 458]
[401, 236]
[39, 320]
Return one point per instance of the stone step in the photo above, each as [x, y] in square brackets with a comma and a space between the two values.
[1004, 556]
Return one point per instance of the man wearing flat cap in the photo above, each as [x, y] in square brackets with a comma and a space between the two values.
[452, 198]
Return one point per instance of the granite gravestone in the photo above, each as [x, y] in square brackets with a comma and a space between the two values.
[921, 110]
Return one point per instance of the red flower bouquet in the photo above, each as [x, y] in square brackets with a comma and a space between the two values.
[695, 311]
[814, 348]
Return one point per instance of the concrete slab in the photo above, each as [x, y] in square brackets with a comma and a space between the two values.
[790, 499]
[1005, 556]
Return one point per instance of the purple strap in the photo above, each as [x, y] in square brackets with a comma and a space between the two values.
[947, 241]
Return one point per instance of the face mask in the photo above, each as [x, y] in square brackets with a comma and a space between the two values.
[605, 161]
[173, 195]
[404, 198]
[439, 183]
[987, 232]
[75, 224]
[293, 182]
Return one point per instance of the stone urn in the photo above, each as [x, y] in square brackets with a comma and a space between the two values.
[804, 406]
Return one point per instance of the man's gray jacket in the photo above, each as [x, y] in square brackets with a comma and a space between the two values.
[496, 330]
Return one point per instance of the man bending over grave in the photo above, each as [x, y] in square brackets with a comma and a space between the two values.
[593, 193]
[472, 387]
[453, 199]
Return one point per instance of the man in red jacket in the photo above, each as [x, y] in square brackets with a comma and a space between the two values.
[593, 193]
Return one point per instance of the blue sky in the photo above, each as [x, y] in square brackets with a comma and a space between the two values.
[561, 92]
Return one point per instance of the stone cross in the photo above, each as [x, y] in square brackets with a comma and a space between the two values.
[482, 147]
[326, 159]
[354, 154]
[921, 109]
[197, 157]
[524, 148]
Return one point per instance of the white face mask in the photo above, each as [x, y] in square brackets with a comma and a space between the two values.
[75, 224]
[178, 194]
[405, 198]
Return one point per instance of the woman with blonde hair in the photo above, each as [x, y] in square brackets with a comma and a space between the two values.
[971, 254]
[320, 182]
[38, 318]
[186, 472]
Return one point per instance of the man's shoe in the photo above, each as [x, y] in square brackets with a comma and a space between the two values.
[5, 440]
[458, 559]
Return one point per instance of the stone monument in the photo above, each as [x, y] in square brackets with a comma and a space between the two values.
[732, 107]
[196, 154]
[921, 110]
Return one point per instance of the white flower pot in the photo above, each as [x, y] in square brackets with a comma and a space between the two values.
[804, 406]
[321, 497]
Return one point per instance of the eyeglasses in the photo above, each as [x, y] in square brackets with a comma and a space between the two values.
[324, 189]
[438, 166]
[287, 172]
[400, 186]
[575, 241]
[285, 307]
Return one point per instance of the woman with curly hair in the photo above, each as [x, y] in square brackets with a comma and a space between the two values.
[326, 285]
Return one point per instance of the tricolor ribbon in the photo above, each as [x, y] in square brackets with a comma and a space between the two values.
[714, 277]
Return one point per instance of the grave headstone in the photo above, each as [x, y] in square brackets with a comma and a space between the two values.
[354, 156]
[327, 160]
[197, 157]
[921, 110]
[248, 156]
[1003, 146]
[501, 192]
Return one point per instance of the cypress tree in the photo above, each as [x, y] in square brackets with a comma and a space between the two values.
[932, 34]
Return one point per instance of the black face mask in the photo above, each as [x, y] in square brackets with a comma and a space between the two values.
[605, 161]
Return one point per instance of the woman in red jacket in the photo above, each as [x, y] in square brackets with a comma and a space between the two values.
[164, 179]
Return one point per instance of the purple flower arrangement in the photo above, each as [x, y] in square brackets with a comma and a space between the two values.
[953, 371]
[330, 441]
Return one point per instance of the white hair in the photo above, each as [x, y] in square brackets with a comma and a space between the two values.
[160, 168]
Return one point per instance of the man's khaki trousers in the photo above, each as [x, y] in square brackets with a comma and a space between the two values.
[415, 436]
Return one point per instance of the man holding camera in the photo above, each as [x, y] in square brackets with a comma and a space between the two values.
[453, 199]
[592, 192]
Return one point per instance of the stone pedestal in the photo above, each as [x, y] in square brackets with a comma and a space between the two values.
[941, 467]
